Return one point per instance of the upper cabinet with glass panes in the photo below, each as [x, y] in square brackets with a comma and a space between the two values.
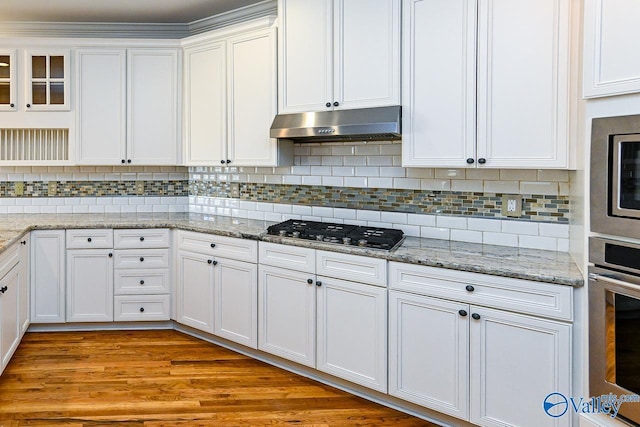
[7, 80]
[47, 85]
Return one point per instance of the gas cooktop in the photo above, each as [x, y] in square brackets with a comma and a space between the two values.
[344, 234]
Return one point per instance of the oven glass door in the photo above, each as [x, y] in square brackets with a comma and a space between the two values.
[625, 200]
[623, 346]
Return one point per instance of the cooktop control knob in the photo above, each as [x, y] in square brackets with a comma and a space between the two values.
[283, 232]
[319, 237]
[362, 242]
[295, 234]
[346, 240]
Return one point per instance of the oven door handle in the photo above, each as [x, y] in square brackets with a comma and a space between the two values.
[613, 279]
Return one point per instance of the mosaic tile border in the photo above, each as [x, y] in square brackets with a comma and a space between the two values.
[535, 207]
[35, 189]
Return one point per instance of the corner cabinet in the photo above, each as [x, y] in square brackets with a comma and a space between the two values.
[230, 98]
[128, 106]
[336, 54]
[499, 95]
[608, 68]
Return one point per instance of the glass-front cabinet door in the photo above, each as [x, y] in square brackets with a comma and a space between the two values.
[47, 80]
[7, 80]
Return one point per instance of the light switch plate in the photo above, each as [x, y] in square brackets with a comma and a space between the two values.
[512, 205]
[234, 190]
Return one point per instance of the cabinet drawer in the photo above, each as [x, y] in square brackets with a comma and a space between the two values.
[290, 257]
[89, 238]
[222, 246]
[141, 258]
[522, 296]
[141, 238]
[352, 267]
[139, 282]
[141, 308]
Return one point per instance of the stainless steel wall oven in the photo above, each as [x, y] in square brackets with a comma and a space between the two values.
[614, 321]
[615, 176]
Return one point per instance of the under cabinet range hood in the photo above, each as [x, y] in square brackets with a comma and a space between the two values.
[363, 124]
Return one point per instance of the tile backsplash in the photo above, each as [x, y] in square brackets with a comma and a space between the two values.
[359, 183]
[364, 183]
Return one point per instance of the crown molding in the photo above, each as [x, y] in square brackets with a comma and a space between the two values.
[236, 16]
[140, 31]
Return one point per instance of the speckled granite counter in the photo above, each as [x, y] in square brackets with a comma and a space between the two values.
[529, 264]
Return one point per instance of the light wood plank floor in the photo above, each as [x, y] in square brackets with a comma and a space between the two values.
[165, 378]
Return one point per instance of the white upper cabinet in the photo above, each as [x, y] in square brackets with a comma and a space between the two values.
[102, 113]
[486, 83]
[439, 83]
[128, 106]
[152, 106]
[338, 54]
[611, 65]
[47, 85]
[7, 80]
[251, 102]
[523, 83]
[230, 98]
[205, 103]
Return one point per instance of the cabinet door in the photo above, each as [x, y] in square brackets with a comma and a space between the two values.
[206, 104]
[305, 55]
[252, 98]
[439, 83]
[89, 285]
[515, 353]
[523, 82]
[429, 365]
[236, 301]
[352, 332]
[48, 76]
[286, 314]
[608, 69]
[152, 106]
[48, 280]
[10, 284]
[195, 290]
[366, 53]
[8, 84]
[24, 316]
[101, 92]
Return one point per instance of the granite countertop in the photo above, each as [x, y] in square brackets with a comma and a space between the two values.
[528, 264]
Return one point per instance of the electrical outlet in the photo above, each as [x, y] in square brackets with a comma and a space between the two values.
[234, 190]
[512, 205]
[139, 188]
[18, 188]
[52, 188]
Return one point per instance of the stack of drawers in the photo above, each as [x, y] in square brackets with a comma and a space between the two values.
[141, 275]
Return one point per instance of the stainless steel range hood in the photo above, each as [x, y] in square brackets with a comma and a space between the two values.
[364, 124]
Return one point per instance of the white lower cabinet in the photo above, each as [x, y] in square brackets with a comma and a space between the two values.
[352, 331]
[12, 281]
[334, 325]
[215, 294]
[24, 308]
[90, 285]
[483, 364]
[429, 352]
[287, 313]
[236, 301]
[48, 276]
[195, 290]
[512, 353]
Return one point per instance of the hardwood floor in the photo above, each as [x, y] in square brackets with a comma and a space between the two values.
[165, 378]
